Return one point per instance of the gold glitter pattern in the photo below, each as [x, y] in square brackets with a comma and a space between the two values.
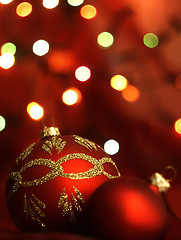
[33, 209]
[79, 194]
[55, 142]
[85, 143]
[68, 207]
[25, 153]
[57, 170]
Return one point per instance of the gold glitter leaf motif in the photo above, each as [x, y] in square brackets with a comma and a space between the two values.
[25, 153]
[85, 143]
[55, 142]
[68, 208]
[56, 170]
[33, 209]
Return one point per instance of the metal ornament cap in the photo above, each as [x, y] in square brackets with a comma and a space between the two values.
[49, 132]
[158, 180]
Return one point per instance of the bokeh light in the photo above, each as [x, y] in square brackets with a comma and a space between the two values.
[2, 123]
[71, 96]
[5, 1]
[61, 61]
[82, 73]
[131, 93]
[118, 82]
[150, 40]
[35, 111]
[7, 60]
[75, 3]
[24, 9]
[49, 4]
[41, 47]
[88, 11]
[105, 39]
[177, 126]
[111, 147]
[8, 48]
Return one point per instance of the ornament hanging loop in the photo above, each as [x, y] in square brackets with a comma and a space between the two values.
[49, 119]
[169, 173]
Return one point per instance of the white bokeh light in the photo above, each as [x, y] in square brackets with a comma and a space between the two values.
[2, 123]
[5, 1]
[36, 112]
[82, 73]
[111, 147]
[75, 3]
[49, 4]
[7, 60]
[40, 47]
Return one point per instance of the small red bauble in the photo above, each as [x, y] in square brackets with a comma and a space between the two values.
[126, 208]
[51, 181]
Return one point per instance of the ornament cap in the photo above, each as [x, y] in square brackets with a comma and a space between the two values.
[49, 132]
[158, 180]
[162, 181]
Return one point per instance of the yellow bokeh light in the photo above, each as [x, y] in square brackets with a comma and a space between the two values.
[118, 82]
[40, 47]
[71, 96]
[75, 3]
[24, 9]
[130, 93]
[35, 111]
[82, 73]
[29, 106]
[5, 1]
[177, 126]
[88, 11]
[105, 39]
[49, 4]
[7, 60]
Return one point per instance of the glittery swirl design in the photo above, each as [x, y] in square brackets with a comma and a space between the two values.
[55, 142]
[33, 209]
[25, 153]
[68, 207]
[56, 170]
[85, 143]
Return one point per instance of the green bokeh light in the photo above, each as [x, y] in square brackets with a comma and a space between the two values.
[2, 123]
[150, 40]
[105, 39]
[8, 48]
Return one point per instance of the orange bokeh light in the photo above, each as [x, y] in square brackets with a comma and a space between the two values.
[130, 93]
[88, 11]
[24, 9]
[60, 61]
[71, 96]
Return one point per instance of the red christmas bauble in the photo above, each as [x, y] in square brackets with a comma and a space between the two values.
[52, 180]
[126, 208]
